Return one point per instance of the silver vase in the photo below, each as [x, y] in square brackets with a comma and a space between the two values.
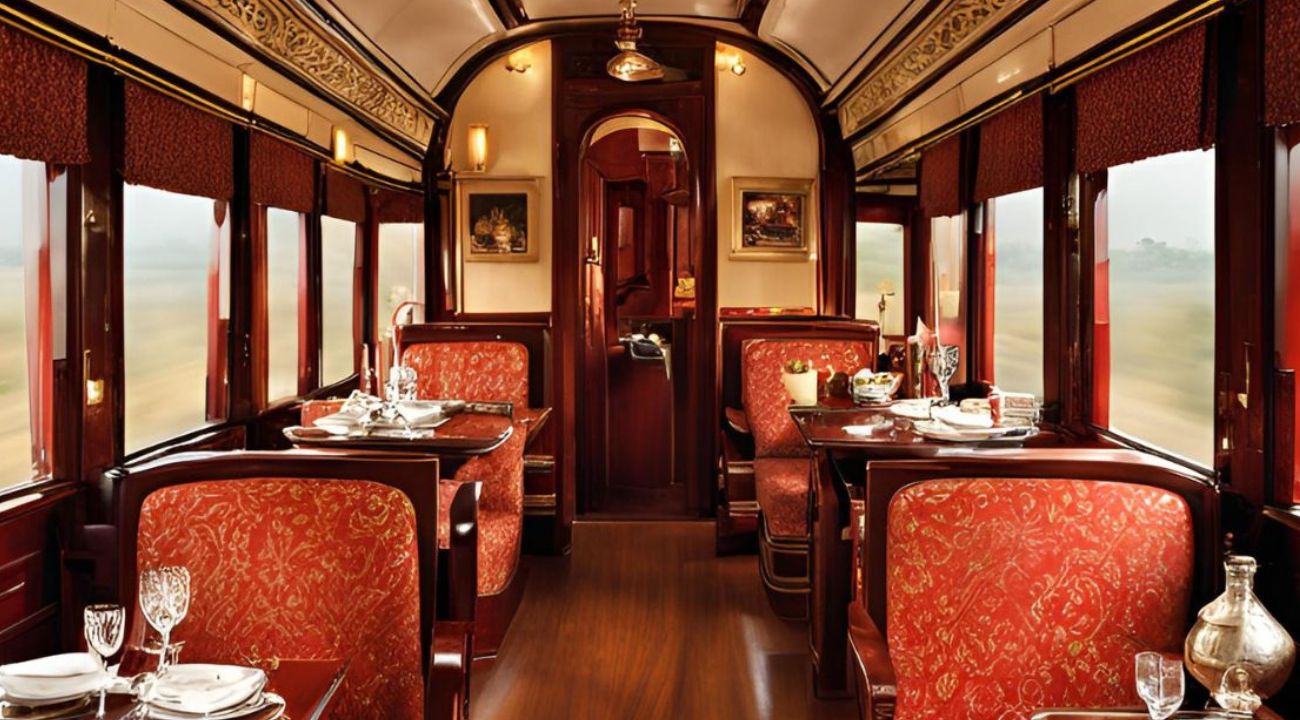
[1236, 649]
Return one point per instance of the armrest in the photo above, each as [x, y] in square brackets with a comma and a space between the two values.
[737, 420]
[447, 695]
[458, 581]
[877, 684]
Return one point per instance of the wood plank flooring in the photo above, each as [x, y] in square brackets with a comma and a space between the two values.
[644, 622]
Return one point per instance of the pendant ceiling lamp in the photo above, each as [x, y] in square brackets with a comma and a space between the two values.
[629, 65]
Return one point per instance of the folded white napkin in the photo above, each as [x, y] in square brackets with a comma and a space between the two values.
[202, 689]
[51, 679]
[955, 417]
[419, 413]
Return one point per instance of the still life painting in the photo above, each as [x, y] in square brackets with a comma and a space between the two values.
[498, 219]
[774, 218]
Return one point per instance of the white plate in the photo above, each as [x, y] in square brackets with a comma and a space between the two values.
[197, 688]
[956, 417]
[265, 701]
[912, 409]
[939, 431]
[53, 679]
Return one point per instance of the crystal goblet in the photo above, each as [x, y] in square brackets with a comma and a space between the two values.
[1159, 683]
[165, 600]
[105, 629]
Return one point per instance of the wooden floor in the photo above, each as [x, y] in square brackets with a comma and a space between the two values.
[644, 622]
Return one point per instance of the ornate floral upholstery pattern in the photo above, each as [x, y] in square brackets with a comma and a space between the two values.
[764, 395]
[782, 488]
[500, 510]
[483, 371]
[286, 567]
[1008, 595]
[478, 371]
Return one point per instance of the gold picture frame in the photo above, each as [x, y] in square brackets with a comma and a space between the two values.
[496, 219]
[773, 218]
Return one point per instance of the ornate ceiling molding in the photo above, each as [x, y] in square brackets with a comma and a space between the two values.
[952, 27]
[280, 30]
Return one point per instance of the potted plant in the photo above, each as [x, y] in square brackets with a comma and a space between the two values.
[800, 381]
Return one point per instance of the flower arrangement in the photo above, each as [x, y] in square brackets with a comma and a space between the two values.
[800, 381]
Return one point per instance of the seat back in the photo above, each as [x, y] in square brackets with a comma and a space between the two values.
[300, 568]
[766, 401]
[1031, 579]
[475, 370]
[295, 554]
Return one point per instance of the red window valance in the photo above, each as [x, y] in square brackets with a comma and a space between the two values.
[345, 197]
[1011, 151]
[172, 146]
[280, 175]
[42, 101]
[1156, 102]
[941, 178]
[1281, 59]
[393, 206]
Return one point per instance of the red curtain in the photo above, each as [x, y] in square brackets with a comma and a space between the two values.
[1281, 58]
[42, 101]
[393, 206]
[280, 175]
[941, 178]
[345, 197]
[1011, 151]
[172, 146]
[1156, 102]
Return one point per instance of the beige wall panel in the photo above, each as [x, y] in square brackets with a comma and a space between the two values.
[765, 129]
[1028, 61]
[94, 15]
[942, 110]
[281, 110]
[385, 165]
[517, 110]
[1098, 21]
[132, 31]
[319, 130]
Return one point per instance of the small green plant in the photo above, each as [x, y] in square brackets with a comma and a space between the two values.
[798, 367]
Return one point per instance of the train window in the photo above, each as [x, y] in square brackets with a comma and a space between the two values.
[1154, 303]
[283, 255]
[1015, 237]
[22, 229]
[880, 275]
[338, 275]
[401, 265]
[948, 243]
[173, 244]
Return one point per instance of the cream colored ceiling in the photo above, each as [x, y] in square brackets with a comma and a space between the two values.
[542, 9]
[832, 34]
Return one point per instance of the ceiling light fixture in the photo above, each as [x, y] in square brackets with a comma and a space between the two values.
[520, 61]
[629, 65]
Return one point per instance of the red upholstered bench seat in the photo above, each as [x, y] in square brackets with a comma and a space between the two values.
[782, 488]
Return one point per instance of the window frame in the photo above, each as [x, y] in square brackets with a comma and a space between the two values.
[885, 209]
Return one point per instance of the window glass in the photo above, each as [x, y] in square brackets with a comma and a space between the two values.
[948, 240]
[401, 265]
[1154, 340]
[1016, 238]
[338, 275]
[172, 244]
[880, 275]
[21, 234]
[283, 253]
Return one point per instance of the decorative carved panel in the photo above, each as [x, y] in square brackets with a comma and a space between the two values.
[953, 26]
[281, 30]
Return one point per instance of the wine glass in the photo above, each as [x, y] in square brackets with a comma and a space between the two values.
[165, 600]
[105, 630]
[943, 363]
[1159, 683]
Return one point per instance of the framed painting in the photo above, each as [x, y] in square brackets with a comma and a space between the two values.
[496, 219]
[773, 219]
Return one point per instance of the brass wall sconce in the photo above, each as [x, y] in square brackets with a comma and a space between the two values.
[477, 138]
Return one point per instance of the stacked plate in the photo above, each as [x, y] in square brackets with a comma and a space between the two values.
[212, 692]
[53, 680]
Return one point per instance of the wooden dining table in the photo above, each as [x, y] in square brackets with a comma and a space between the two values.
[307, 686]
